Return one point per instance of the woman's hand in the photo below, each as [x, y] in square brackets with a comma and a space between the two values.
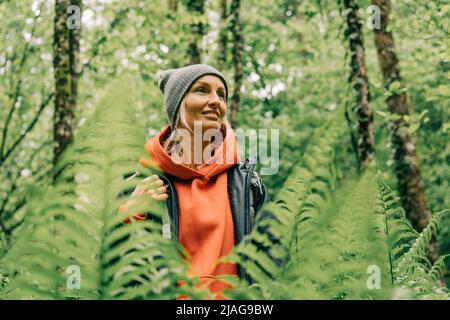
[154, 187]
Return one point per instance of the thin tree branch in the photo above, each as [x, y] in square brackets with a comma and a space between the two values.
[30, 127]
[3, 216]
[18, 87]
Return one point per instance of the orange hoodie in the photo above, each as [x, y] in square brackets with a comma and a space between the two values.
[205, 220]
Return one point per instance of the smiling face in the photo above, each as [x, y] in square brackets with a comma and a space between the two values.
[205, 102]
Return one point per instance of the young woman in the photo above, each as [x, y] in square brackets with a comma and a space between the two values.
[212, 197]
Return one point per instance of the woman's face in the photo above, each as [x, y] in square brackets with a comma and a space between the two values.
[205, 102]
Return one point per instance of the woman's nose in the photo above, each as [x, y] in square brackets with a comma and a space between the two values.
[214, 99]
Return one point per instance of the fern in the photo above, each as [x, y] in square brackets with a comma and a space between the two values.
[76, 223]
[414, 270]
[275, 232]
[410, 265]
[329, 239]
[302, 216]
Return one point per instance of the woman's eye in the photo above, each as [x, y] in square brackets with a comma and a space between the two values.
[201, 89]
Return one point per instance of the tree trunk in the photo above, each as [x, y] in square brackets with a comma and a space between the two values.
[236, 31]
[173, 60]
[74, 43]
[66, 70]
[223, 35]
[194, 50]
[407, 168]
[363, 138]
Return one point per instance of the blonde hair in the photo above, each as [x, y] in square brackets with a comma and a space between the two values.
[170, 140]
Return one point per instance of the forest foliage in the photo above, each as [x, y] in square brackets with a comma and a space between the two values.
[337, 227]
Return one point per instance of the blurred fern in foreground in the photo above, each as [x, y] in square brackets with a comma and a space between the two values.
[73, 229]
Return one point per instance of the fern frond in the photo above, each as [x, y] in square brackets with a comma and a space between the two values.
[77, 224]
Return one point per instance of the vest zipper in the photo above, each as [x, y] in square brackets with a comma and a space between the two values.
[250, 164]
[172, 224]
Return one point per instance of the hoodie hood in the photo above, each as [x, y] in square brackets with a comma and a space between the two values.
[225, 156]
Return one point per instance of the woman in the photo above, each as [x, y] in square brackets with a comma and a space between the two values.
[212, 197]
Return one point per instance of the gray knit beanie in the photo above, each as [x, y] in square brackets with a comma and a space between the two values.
[174, 83]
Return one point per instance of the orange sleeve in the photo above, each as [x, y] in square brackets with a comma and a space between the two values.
[137, 216]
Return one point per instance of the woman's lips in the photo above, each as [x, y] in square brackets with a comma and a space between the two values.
[211, 116]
